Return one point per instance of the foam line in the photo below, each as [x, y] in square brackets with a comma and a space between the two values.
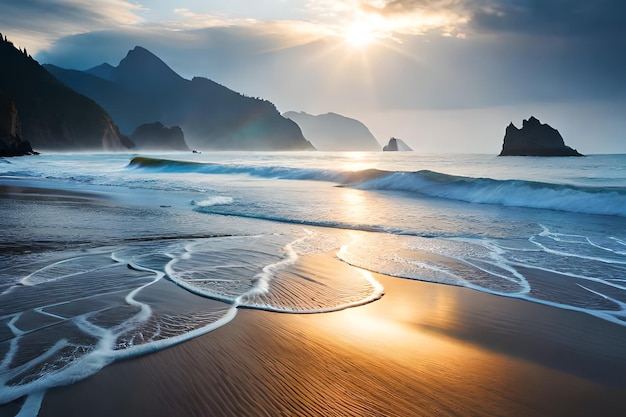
[574, 255]
[31, 405]
[262, 283]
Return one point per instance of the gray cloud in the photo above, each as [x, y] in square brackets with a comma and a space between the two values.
[38, 22]
[554, 17]
[569, 48]
[435, 73]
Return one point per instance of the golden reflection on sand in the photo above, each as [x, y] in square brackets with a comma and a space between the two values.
[396, 323]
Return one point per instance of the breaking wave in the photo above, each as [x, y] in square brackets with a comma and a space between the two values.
[509, 193]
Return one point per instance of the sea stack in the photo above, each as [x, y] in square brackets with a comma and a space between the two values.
[535, 139]
[11, 142]
[396, 144]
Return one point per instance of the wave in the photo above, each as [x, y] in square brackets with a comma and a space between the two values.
[509, 193]
[184, 167]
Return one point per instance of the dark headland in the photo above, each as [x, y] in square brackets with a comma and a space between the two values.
[535, 139]
[70, 110]
[51, 116]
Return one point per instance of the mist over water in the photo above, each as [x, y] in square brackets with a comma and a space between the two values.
[148, 251]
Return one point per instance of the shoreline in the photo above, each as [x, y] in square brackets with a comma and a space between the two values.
[413, 352]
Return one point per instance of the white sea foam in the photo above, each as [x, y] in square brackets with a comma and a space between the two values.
[97, 322]
[71, 356]
[262, 279]
[213, 201]
[486, 266]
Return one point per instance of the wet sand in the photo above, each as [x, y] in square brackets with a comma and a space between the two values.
[421, 350]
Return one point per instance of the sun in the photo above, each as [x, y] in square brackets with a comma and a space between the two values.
[360, 35]
[366, 29]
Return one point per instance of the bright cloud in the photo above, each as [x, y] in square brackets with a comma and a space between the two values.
[390, 19]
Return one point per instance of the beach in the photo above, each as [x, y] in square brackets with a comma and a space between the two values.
[131, 292]
[421, 350]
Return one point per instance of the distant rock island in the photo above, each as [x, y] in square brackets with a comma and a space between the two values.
[51, 115]
[142, 89]
[155, 136]
[535, 139]
[334, 132]
[396, 144]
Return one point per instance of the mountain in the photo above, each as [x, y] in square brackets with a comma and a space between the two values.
[52, 116]
[142, 89]
[334, 132]
[396, 144]
[535, 139]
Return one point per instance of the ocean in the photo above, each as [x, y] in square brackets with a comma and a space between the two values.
[109, 256]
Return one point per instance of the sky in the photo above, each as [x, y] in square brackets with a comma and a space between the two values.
[442, 75]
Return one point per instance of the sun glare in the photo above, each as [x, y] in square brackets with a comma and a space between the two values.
[359, 35]
[366, 29]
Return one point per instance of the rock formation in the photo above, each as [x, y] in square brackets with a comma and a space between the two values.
[396, 144]
[11, 142]
[334, 132]
[53, 116]
[142, 89]
[535, 139]
[155, 136]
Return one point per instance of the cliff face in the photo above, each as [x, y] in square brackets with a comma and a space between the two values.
[155, 136]
[11, 142]
[142, 89]
[52, 115]
[535, 139]
[334, 132]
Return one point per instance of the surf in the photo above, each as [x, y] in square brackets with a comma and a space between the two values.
[610, 200]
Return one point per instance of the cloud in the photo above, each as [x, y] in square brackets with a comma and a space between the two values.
[554, 17]
[577, 44]
[576, 18]
[210, 51]
[511, 54]
[392, 18]
[38, 23]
